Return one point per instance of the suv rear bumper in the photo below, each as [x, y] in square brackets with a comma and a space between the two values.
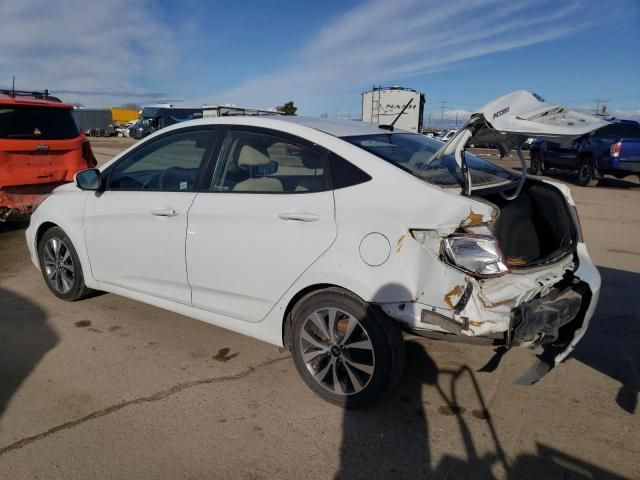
[17, 204]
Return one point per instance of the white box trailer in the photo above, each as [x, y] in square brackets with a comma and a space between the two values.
[383, 104]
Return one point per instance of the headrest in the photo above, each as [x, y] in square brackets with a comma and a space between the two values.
[311, 159]
[250, 157]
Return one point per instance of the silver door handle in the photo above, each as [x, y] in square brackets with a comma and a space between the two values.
[165, 212]
[299, 216]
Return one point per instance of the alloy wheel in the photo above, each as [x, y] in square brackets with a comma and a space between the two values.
[58, 265]
[337, 351]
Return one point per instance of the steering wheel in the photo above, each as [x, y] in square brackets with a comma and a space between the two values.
[171, 178]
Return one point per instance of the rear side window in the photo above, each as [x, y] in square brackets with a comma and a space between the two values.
[618, 130]
[629, 130]
[257, 162]
[37, 123]
[345, 174]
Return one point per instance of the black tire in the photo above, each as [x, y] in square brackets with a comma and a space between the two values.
[64, 277]
[535, 165]
[585, 173]
[384, 354]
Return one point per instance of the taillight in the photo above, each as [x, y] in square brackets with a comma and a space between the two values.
[478, 255]
[615, 149]
[87, 154]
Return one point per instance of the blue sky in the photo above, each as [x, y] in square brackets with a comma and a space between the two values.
[324, 54]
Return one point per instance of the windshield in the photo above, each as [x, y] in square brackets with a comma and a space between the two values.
[410, 151]
[37, 123]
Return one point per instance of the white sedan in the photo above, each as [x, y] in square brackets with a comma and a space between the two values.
[329, 238]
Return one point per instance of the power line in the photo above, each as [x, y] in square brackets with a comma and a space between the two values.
[601, 107]
[443, 105]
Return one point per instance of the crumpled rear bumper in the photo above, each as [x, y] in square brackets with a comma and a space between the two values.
[555, 314]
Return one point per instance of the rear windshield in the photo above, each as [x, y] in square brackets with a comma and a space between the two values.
[37, 123]
[410, 151]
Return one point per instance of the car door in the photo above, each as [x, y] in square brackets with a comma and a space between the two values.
[135, 228]
[562, 154]
[268, 215]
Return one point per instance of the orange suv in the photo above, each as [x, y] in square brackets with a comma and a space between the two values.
[41, 147]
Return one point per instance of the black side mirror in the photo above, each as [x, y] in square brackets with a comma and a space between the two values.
[88, 179]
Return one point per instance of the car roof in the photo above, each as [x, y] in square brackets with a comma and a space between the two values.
[30, 101]
[335, 126]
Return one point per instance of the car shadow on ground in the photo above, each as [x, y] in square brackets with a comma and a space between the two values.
[612, 343]
[6, 227]
[391, 439]
[25, 338]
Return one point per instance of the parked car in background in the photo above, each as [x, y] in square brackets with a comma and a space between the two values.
[328, 237]
[41, 147]
[448, 135]
[612, 150]
[527, 144]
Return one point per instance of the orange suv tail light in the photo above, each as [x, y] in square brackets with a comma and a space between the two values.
[87, 154]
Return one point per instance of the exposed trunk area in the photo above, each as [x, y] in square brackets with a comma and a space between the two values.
[536, 227]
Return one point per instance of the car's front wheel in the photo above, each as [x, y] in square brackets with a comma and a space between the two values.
[347, 351]
[60, 266]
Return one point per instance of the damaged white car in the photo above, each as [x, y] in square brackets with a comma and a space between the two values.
[329, 237]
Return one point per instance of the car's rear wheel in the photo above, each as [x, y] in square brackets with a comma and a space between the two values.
[347, 351]
[61, 267]
[585, 173]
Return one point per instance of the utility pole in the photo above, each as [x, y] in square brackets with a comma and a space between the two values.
[456, 119]
[442, 107]
[429, 127]
[601, 107]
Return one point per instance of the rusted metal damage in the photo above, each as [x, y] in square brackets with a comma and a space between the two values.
[472, 220]
[400, 242]
[415, 300]
[454, 292]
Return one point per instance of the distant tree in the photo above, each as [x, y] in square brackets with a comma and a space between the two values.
[324, 115]
[77, 104]
[131, 106]
[288, 108]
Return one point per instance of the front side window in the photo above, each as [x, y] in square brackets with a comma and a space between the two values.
[170, 163]
[256, 162]
[411, 152]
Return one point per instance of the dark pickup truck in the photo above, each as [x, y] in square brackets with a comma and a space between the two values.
[612, 150]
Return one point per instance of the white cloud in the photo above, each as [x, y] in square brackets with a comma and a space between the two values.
[382, 41]
[625, 113]
[81, 46]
